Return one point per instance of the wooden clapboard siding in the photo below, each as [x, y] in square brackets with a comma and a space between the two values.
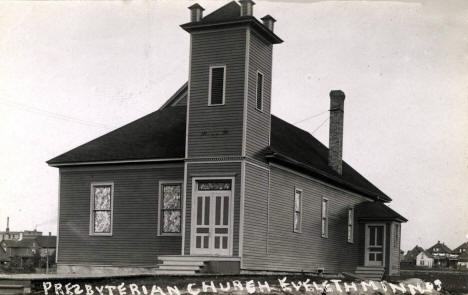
[307, 251]
[134, 241]
[258, 122]
[216, 130]
[394, 250]
[255, 214]
[215, 169]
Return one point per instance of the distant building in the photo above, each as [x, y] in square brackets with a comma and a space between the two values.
[424, 259]
[442, 255]
[463, 248]
[410, 257]
[10, 235]
[462, 255]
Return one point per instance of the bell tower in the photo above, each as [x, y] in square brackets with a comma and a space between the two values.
[228, 110]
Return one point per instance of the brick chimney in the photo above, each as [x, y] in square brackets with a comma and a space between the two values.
[246, 7]
[196, 12]
[335, 140]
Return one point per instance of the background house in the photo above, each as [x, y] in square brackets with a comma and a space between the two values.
[410, 257]
[442, 255]
[424, 259]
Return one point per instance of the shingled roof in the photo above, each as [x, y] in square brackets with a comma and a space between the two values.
[377, 211]
[161, 136]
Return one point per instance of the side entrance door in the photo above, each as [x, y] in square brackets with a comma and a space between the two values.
[375, 245]
[211, 218]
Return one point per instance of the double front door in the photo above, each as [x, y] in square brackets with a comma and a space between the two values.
[211, 219]
[375, 245]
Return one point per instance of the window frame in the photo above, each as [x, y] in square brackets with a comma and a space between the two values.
[300, 210]
[160, 209]
[324, 218]
[209, 84]
[256, 91]
[350, 237]
[91, 208]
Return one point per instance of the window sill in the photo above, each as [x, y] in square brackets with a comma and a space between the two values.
[100, 235]
[169, 235]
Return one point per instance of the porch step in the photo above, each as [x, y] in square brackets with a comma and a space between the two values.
[181, 264]
[370, 272]
[165, 266]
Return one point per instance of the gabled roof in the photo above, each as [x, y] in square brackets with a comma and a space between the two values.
[377, 211]
[23, 243]
[462, 246]
[290, 144]
[441, 246]
[229, 15]
[411, 255]
[428, 255]
[159, 135]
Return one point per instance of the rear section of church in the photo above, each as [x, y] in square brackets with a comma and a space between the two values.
[213, 183]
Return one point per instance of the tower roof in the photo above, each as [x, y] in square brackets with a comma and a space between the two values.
[230, 15]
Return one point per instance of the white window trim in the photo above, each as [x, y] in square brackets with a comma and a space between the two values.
[300, 209]
[256, 90]
[350, 238]
[224, 85]
[182, 219]
[91, 209]
[324, 234]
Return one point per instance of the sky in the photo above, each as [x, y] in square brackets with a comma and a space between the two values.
[74, 70]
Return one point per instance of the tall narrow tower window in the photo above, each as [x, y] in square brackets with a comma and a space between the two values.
[259, 91]
[217, 87]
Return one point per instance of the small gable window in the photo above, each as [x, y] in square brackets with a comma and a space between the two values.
[217, 85]
[324, 218]
[297, 210]
[102, 195]
[350, 225]
[170, 208]
[259, 91]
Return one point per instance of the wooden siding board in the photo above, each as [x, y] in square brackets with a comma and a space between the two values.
[306, 251]
[134, 241]
[216, 48]
[255, 214]
[212, 169]
[258, 122]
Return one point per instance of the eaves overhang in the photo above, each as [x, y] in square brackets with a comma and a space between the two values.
[322, 175]
[244, 20]
[115, 162]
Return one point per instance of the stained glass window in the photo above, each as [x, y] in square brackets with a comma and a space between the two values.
[171, 211]
[102, 209]
[216, 185]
